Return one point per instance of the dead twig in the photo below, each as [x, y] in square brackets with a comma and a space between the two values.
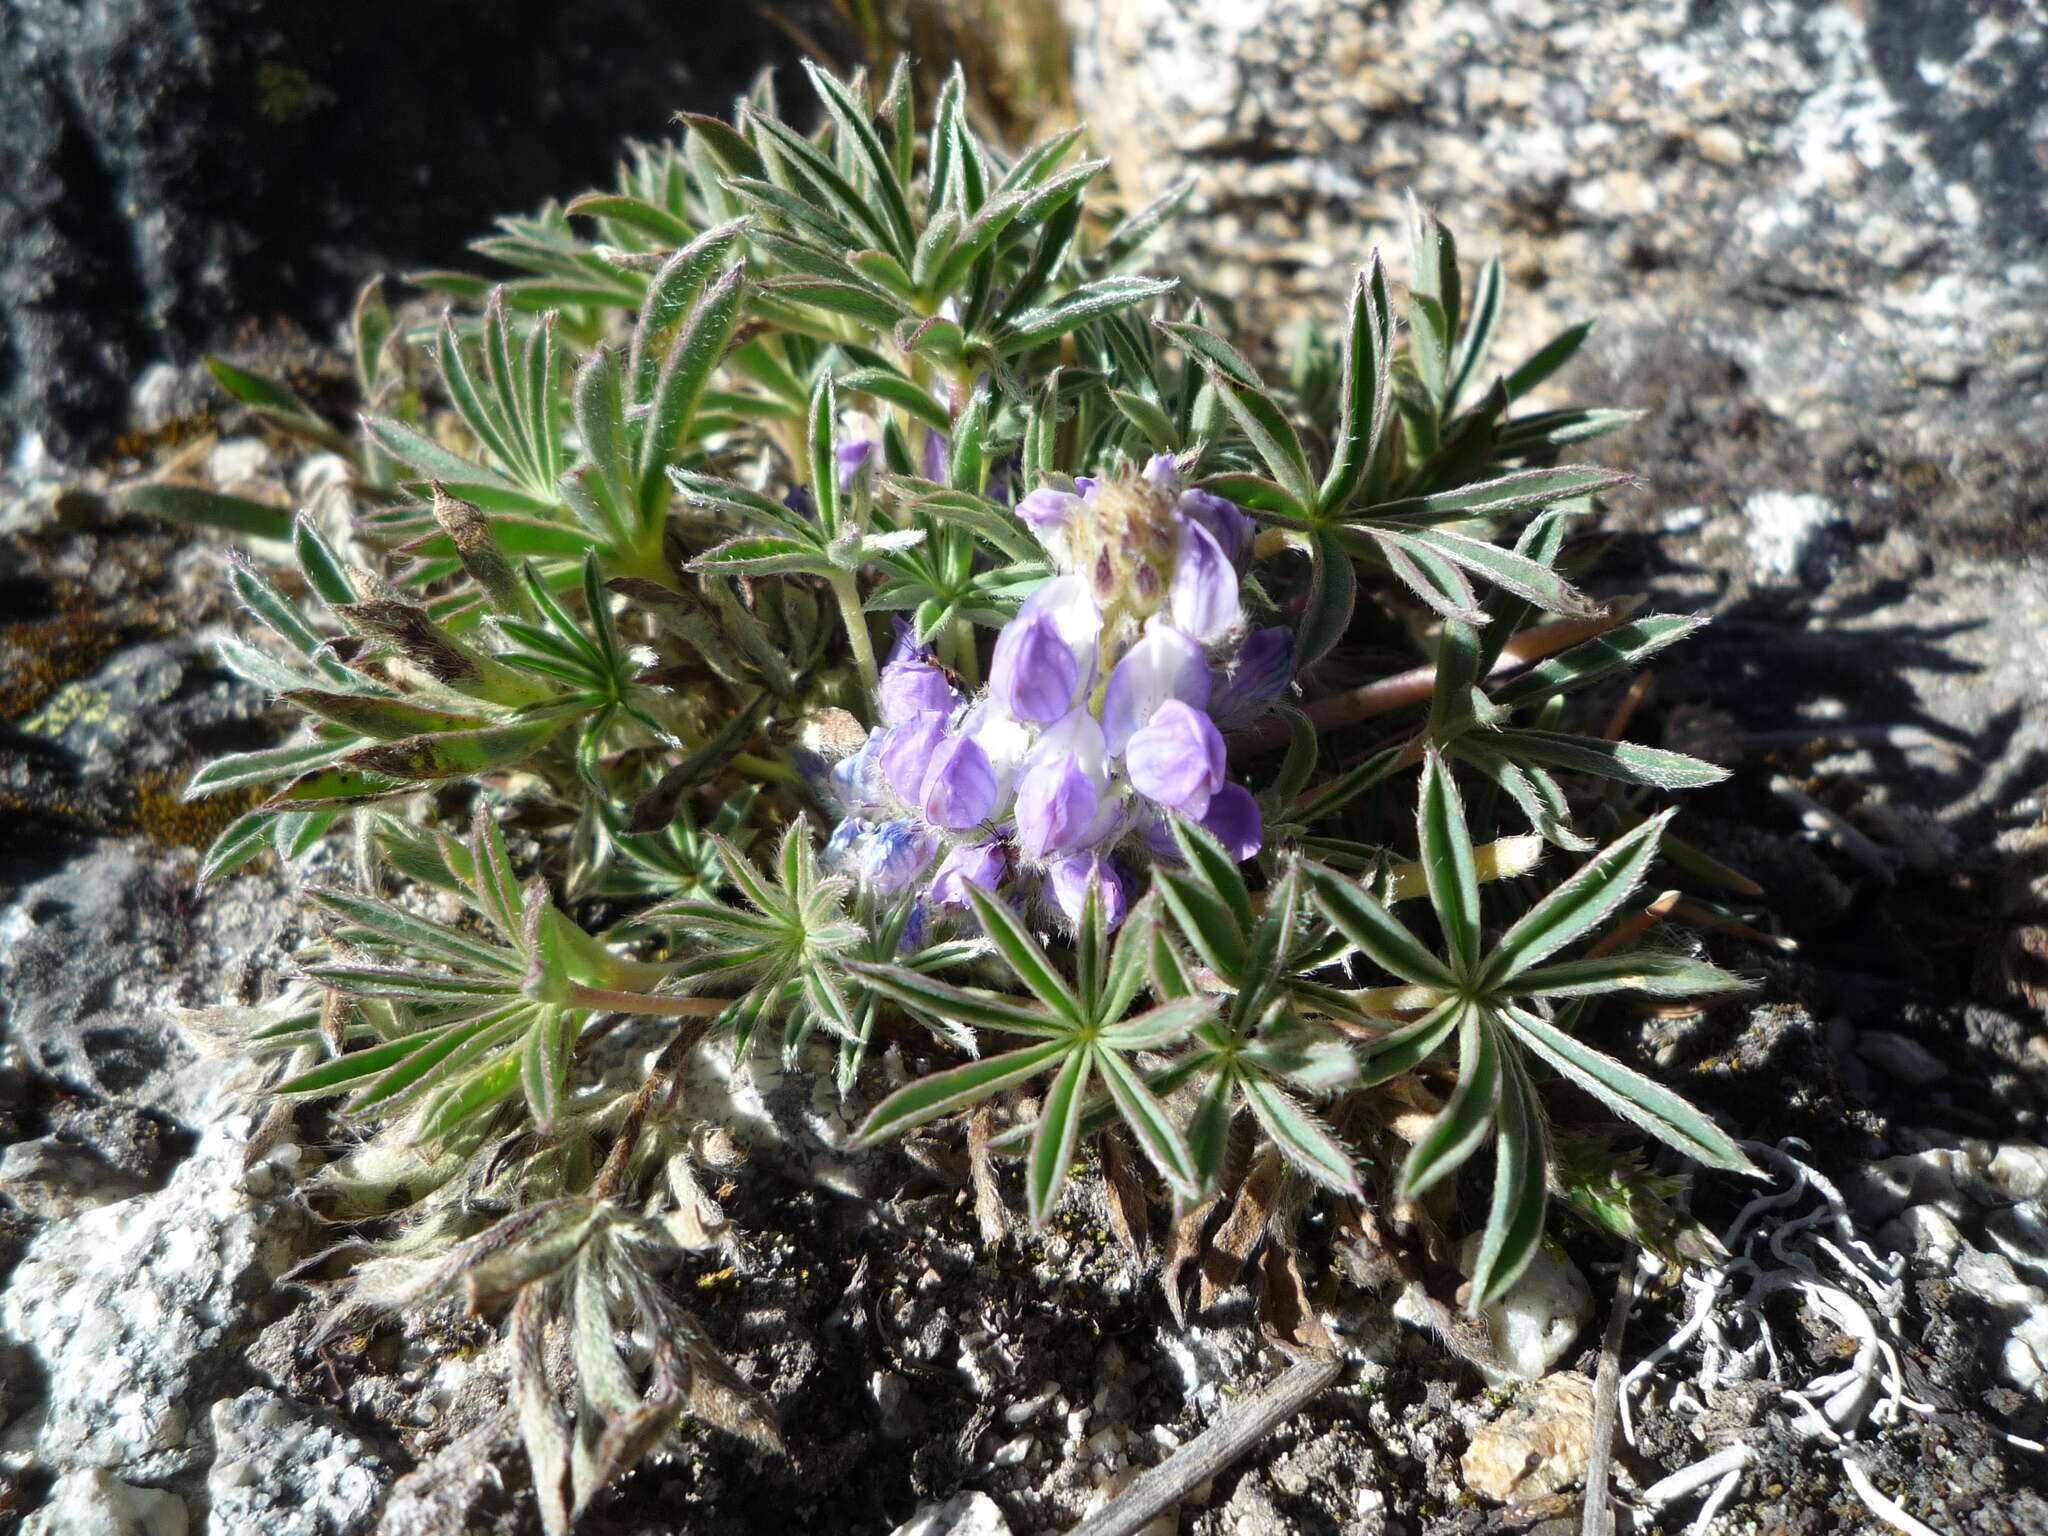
[1599, 1514]
[1416, 684]
[1243, 1425]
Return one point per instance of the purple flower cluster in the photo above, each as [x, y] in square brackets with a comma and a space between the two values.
[1107, 700]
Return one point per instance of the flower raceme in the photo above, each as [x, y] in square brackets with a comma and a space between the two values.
[1107, 700]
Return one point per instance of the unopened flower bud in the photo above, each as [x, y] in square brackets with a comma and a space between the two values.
[1177, 759]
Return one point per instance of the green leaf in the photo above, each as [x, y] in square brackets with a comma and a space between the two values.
[1302, 1138]
[854, 125]
[1527, 579]
[1350, 784]
[765, 556]
[1157, 1027]
[410, 934]
[1578, 906]
[1158, 1137]
[868, 305]
[1632, 764]
[1059, 1129]
[1477, 339]
[331, 1076]
[475, 1096]
[240, 768]
[1024, 956]
[1467, 1116]
[1627, 646]
[658, 224]
[1207, 921]
[1368, 372]
[1075, 309]
[1448, 864]
[1271, 435]
[1522, 491]
[695, 354]
[898, 390]
[420, 986]
[208, 509]
[927, 1098]
[1631, 1095]
[1661, 975]
[240, 842]
[957, 1005]
[1405, 1049]
[456, 754]
[376, 715]
[1547, 359]
[1521, 1196]
[1374, 931]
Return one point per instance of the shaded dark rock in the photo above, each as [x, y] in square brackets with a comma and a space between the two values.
[167, 171]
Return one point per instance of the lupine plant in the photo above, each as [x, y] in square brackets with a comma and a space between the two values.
[849, 605]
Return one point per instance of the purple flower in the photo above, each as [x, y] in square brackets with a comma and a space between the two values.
[1060, 799]
[1038, 667]
[1233, 820]
[934, 456]
[984, 864]
[852, 456]
[1264, 667]
[906, 752]
[1044, 509]
[960, 785]
[1163, 665]
[914, 687]
[842, 848]
[856, 780]
[1201, 595]
[1225, 521]
[1068, 880]
[895, 854]
[1177, 759]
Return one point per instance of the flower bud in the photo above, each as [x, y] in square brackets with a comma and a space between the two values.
[985, 865]
[1060, 797]
[960, 785]
[914, 687]
[1201, 596]
[906, 753]
[1233, 819]
[1164, 665]
[1260, 674]
[1046, 655]
[1068, 880]
[1177, 759]
[894, 855]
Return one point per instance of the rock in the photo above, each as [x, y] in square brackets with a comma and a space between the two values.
[1850, 200]
[130, 1313]
[92, 1501]
[280, 1470]
[94, 957]
[1783, 529]
[965, 1514]
[1534, 1324]
[171, 174]
[1539, 1446]
[1902, 1056]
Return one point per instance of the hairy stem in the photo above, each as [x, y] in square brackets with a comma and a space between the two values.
[847, 590]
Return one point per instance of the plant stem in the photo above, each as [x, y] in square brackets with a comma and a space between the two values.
[966, 661]
[1415, 685]
[847, 590]
[641, 1002]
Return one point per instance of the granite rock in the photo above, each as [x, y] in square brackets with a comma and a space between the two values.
[281, 1470]
[1849, 200]
[127, 1316]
